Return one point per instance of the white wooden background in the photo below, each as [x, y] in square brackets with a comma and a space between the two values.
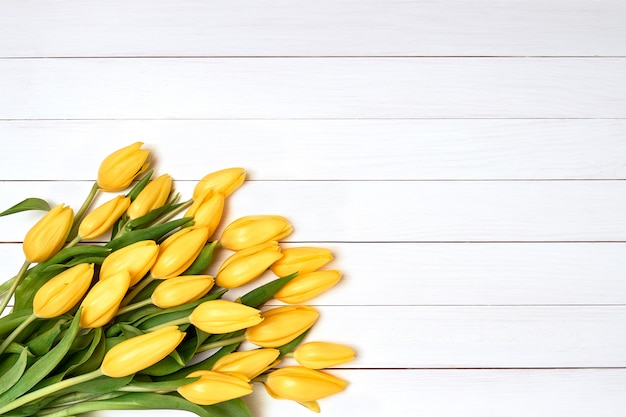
[464, 160]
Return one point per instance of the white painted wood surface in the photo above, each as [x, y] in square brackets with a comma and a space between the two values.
[464, 161]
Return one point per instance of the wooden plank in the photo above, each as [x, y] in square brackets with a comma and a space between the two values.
[455, 274]
[454, 393]
[306, 88]
[327, 149]
[328, 28]
[396, 211]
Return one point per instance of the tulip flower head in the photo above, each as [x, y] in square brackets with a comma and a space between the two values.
[301, 260]
[140, 352]
[181, 290]
[120, 168]
[223, 316]
[319, 355]
[247, 265]
[48, 235]
[249, 231]
[153, 196]
[136, 259]
[215, 387]
[308, 286]
[103, 300]
[102, 218]
[302, 384]
[223, 182]
[178, 252]
[250, 363]
[207, 211]
[61, 293]
[281, 325]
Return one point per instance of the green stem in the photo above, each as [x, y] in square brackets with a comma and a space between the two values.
[50, 389]
[18, 278]
[62, 410]
[16, 332]
[224, 342]
[136, 290]
[78, 217]
[133, 307]
[172, 213]
[73, 242]
[177, 322]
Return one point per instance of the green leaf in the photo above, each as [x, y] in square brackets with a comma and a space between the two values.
[169, 385]
[152, 215]
[207, 363]
[151, 401]
[42, 343]
[82, 355]
[291, 346]
[43, 366]
[10, 322]
[28, 204]
[91, 358]
[203, 260]
[12, 369]
[151, 233]
[25, 292]
[259, 296]
[134, 192]
[66, 254]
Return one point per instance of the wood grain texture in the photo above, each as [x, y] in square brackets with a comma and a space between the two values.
[418, 149]
[327, 28]
[312, 88]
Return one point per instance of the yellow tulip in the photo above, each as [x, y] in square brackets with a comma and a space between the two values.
[318, 355]
[250, 231]
[281, 325]
[178, 252]
[153, 196]
[140, 352]
[103, 300]
[250, 363]
[181, 290]
[48, 235]
[101, 219]
[223, 316]
[247, 265]
[223, 182]
[215, 387]
[207, 212]
[302, 384]
[305, 287]
[120, 168]
[136, 259]
[301, 260]
[61, 293]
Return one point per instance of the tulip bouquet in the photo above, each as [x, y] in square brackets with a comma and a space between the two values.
[135, 321]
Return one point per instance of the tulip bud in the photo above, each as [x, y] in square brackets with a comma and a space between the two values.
[305, 287]
[60, 294]
[223, 316]
[120, 168]
[250, 231]
[48, 235]
[250, 363]
[101, 219]
[103, 300]
[215, 387]
[247, 265]
[223, 182]
[281, 325]
[136, 259]
[302, 384]
[140, 352]
[178, 252]
[153, 196]
[207, 212]
[301, 260]
[318, 355]
[181, 290]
